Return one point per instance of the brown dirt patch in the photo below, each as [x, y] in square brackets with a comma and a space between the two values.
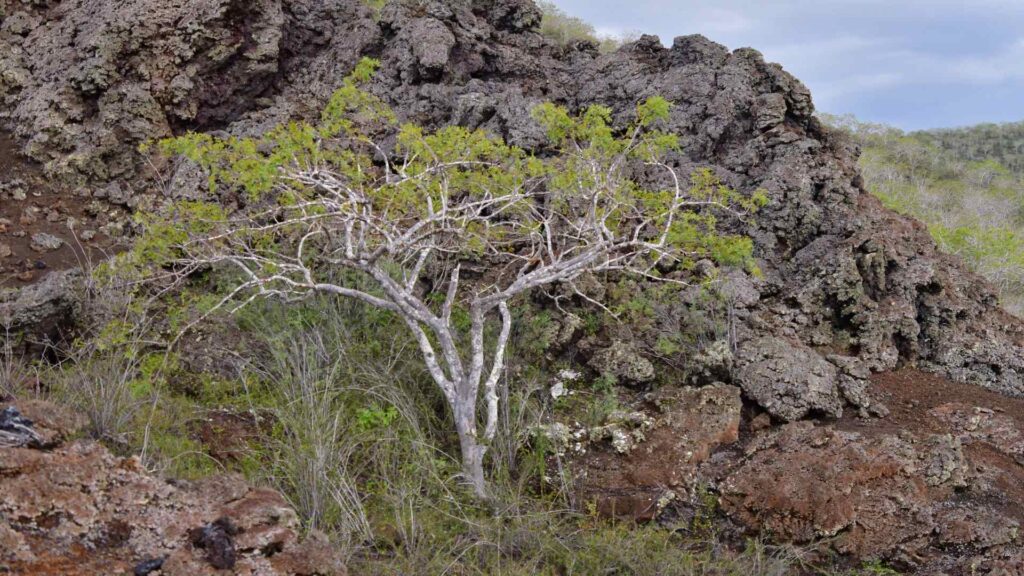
[916, 399]
[228, 436]
[30, 205]
[912, 394]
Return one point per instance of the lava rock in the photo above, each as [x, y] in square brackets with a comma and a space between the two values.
[147, 567]
[75, 490]
[684, 427]
[876, 495]
[43, 242]
[16, 430]
[788, 380]
[41, 309]
[622, 362]
[217, 539]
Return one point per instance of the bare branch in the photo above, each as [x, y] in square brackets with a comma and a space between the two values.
[497, 365]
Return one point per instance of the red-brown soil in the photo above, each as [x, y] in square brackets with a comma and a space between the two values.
[919, 400]
[45, 209]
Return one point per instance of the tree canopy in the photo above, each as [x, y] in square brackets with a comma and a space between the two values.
[484, 220]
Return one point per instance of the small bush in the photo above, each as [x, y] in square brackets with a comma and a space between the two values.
[14, 371]
[955, 183]
[564, 29]
[102, 373]
[354, 417]
[376, 5]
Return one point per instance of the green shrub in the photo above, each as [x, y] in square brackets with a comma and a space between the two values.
[564, 29]
[955, 182]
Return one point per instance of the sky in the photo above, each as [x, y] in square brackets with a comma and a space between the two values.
[914, 64]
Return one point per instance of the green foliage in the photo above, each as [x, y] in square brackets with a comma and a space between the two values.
[955, 182]
[704, 517]
[654, 109]
[563, 28]
[453, 164]
[538, 328]
[877, 568]
[168, 443]
[359, 448]
[999, 144]
[376, 5]
[693, 233]
[667, 346]
[591, 403]
[165, 234]
[376, 417]
[361, 439]
[255, 164]
[628, 549]
[995, 252]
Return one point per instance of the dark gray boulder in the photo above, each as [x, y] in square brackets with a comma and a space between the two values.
[42, 309]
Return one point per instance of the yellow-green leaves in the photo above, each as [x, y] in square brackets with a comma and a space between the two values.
[164, 236]
[255, 165]
[597, 187]
[592, 164]
[351, 109]
[364, 71]
[652, 110]
[555, 120]
[593, 126]
[456, 164]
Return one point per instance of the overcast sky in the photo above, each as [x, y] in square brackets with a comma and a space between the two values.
[909, 63]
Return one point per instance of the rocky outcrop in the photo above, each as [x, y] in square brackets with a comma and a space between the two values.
[621, 362]
[789, 380]
[85, 82]
[847, 287]
[937, 489]
[42, 308]
[803, 483]
[72, 508]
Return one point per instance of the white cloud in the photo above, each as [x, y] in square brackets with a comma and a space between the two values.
[833, 94]
[718, 20]
[826, 53]
[1002, 66]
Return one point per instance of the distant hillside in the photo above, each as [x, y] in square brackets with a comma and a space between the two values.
[1001, 142]
[966, 184]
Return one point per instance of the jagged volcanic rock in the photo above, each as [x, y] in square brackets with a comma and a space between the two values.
[850, 286]
[75, 509]
[84, 82]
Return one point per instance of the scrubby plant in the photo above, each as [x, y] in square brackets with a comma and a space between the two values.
[102, 372]
[565, 29]
[954, 181]
[1002, 144]
[376, 5]
[14, 371]
[487, 222]
[318, 429]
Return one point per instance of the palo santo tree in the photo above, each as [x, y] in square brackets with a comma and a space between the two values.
[484, 220]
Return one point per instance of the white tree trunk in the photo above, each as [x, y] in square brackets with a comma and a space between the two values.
[472, 451]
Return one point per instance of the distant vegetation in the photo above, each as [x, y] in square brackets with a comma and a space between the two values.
[966, 184]
[565, 29]
[1003, 143]
[558, 26]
